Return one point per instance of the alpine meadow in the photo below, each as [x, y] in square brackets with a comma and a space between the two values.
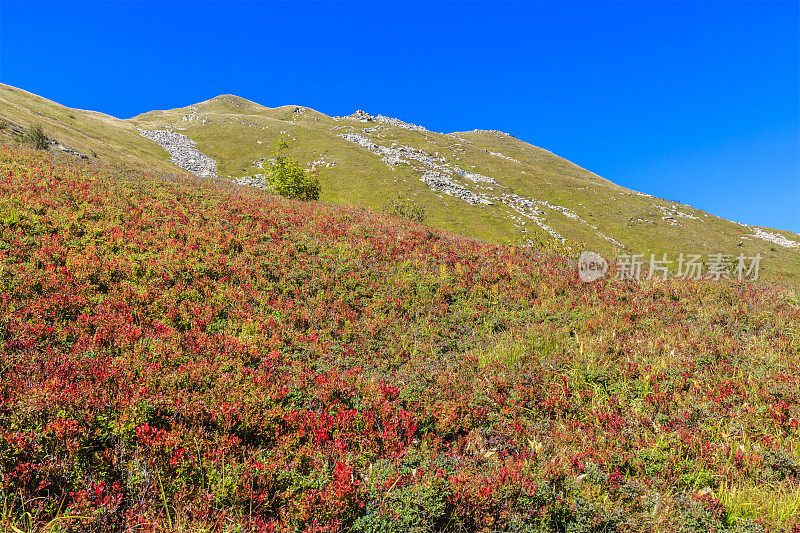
[227, 317]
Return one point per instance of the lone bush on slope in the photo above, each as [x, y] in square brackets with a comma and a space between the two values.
[289, 179]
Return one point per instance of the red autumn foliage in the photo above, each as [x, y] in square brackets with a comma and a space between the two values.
[180, 353]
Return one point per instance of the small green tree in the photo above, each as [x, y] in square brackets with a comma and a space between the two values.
[289, 179]
[37, 138]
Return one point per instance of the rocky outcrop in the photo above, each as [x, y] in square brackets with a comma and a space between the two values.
[193, 116]
[363, 116]
[436, 172]
[501, 156]
[775, 238]
[399, 123]
[259, 181]
[474, 176]
[441, 176]
[441, 182]
[494, 132]
[183, 152]
[66, 149]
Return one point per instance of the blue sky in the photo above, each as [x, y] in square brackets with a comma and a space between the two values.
[691, 101]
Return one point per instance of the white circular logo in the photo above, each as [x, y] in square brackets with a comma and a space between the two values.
[591, 266]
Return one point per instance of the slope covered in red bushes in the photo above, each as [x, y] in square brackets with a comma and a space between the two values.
[182, 354]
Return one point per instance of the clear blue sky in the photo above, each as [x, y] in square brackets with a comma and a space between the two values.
[691, 101]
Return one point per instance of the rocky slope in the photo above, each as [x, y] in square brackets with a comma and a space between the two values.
[183, 152]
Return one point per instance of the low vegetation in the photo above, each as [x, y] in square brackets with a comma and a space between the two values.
[402, 207]
[178, 354]
[37, 138]
[84, 131]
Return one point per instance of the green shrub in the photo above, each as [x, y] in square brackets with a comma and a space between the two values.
[418, 505]
[405, 208]
[37, 138]
[289, 179]
[3, 124]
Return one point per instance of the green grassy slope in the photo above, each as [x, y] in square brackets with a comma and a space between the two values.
[235, 126]
[95, 134]
[590, 212]
[599, 214]
[632, 218]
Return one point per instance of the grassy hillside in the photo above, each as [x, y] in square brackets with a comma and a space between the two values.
[102, 137]
[533, 195]
[571, 202]
[184, 354]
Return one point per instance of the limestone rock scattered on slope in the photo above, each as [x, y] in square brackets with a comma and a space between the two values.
[183, 152]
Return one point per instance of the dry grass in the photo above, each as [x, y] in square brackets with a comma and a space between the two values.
[776, 505]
